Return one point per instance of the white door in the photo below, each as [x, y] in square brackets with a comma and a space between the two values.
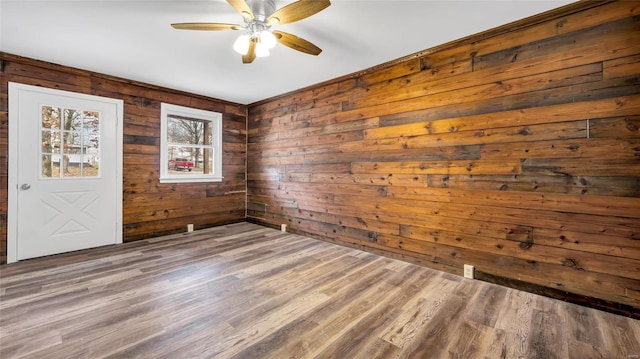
[65, 171]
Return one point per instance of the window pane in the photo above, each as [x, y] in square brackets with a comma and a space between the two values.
[181, 160]
[91, 131]
[91, 144]
[71, 152]
[71, 170]
[71, 141]
[50, 117]
[48, 169]
[47, 146]
[186, 130]
[55, 141]
[184, 160]
[175, 152]
[72, 119]
[89, 165]
[202, 161]
[208, 133]
[207, 161]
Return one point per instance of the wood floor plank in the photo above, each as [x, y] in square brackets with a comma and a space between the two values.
[246, 291]
[444, 324]
[513, 325]
[414, 314]
[471, 338]
[356, 341]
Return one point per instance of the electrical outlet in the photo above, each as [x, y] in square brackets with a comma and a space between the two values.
[469, 271]
[283, 227]
[190, 227]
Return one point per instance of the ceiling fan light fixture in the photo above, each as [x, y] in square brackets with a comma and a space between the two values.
[241, 45]
[268, 39]
[259, 16]
[261, 50]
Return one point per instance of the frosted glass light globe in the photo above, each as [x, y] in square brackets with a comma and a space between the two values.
[242, 44]
[268, 39]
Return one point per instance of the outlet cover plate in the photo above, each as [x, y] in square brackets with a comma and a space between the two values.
[468, 271]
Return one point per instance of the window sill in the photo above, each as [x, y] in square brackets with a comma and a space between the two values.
[189, 179]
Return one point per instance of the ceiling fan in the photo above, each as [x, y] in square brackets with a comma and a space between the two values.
[259, 16]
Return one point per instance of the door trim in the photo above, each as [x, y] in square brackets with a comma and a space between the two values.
[12, 210]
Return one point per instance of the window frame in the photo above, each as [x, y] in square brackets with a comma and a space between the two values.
[215, 118]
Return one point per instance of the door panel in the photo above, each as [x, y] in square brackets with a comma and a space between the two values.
[65, 171]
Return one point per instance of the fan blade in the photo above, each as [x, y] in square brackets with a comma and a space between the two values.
[297, 43]
[297, 11]
[251, 54]
[210, 26]
[242, 7]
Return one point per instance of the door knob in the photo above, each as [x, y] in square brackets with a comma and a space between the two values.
[25, 186]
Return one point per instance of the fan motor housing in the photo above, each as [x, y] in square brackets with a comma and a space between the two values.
[262, 8]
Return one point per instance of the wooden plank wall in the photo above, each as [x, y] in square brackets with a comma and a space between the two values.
[516, 151]
[150, 208]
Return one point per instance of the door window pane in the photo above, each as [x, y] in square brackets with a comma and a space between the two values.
[70, 143]
[50, 117]
[48, 169]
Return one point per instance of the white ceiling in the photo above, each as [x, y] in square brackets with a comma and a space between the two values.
[133, 39]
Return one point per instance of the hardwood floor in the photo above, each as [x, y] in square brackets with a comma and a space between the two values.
[246, 291]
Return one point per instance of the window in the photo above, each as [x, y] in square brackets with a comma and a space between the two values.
[190, 145]
[70, 143]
